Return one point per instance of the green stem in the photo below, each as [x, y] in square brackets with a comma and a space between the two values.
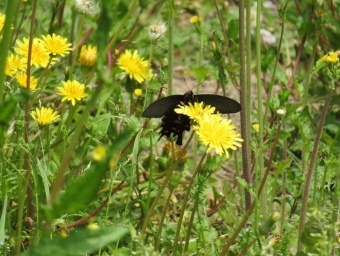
[192, 217]
[161, 189]
[171, 45]
[311, 168]
[75, 53]
[5, 44]
[244, 104]
[283, 17]
[161, 223]
[59, 180]
[284, 180]
[185, 201]
[252, 206]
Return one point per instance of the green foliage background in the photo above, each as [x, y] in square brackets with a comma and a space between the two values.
[278, 196]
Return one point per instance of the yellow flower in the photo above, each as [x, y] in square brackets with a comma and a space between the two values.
[217, 133]
[44, 116]
[13, 63]
[72, 91]
[330, 57]
[22, 80]
[195, 111]
[135, 66]
[195, 19]
[2, 21]
[39, 58]
[99, 153]
[56, 45]
[256, 127]
[138, 92]
[88, 55]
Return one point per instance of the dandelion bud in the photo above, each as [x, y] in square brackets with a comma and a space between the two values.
[281, 112]
[88, 55]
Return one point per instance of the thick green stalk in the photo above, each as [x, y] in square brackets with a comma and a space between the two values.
[5, 44]
[259, 154]
[244, 103]
[31, 210]
[171, 44]
[311, 168]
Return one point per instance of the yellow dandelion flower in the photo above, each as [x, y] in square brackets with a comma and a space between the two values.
[330, 57]
[135, 66]
[72, 91]
[88, 55]
[13, 64]
[195, 111]
[138, 92]
[22, 80]
[2, 21]
[195, 19]
[217, 133]
[99, 153]
[40, 57]
[256, 127]
[44, 116]
[56, 45]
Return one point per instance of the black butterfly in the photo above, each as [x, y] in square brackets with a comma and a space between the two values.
[178, 123]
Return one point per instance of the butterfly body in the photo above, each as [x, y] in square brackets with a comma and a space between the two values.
[178, 123]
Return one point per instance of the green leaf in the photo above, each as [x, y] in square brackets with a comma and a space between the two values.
[77, 243]
[100, 124]
[201, 73]
[82, 191]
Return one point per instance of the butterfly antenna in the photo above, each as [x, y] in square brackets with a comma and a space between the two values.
[186, 84]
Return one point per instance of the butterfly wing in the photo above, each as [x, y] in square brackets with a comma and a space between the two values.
[223, 104]
[159, 107]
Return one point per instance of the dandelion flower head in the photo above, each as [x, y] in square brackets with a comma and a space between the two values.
[22, 80]
[217, 134]
[195, 111]
[195, 19]
[88, 55]
[72, 91]
[135, 66]
[40, 57]
[330, 57]
[56, 45]
[44, 116]
[13, 64]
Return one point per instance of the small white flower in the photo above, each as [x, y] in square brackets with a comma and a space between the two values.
[88, 7]
[156, 30]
